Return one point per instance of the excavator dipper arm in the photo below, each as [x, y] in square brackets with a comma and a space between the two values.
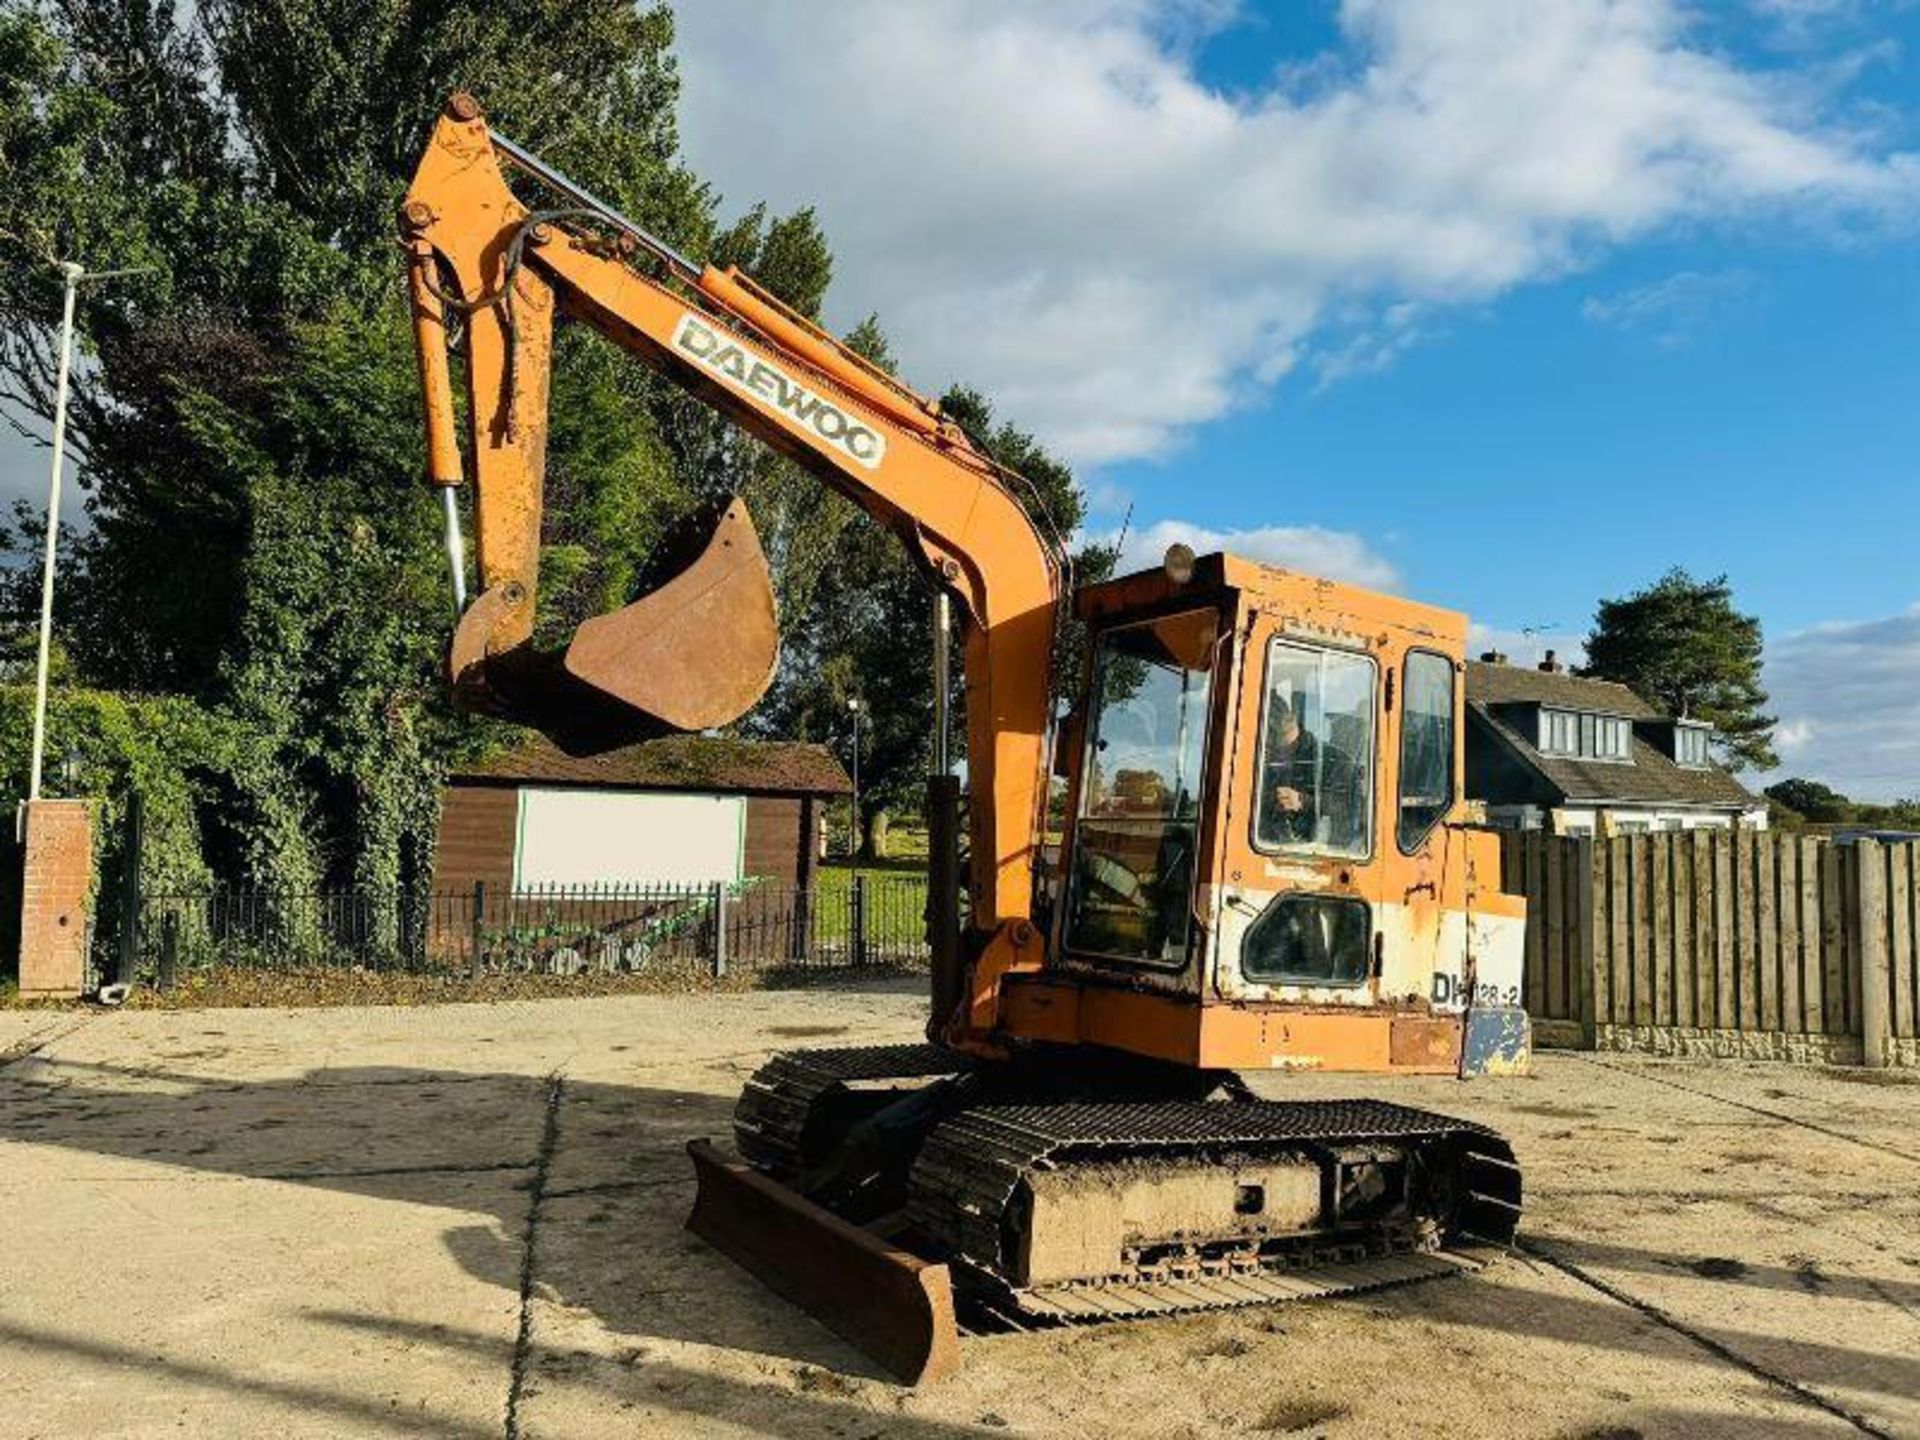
[699, 652]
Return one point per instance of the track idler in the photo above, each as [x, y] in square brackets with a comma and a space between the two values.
[697, 650]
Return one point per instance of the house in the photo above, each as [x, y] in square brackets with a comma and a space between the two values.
[686, 810]
[1550, 750]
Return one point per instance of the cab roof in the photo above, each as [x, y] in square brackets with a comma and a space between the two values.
[1330, 604]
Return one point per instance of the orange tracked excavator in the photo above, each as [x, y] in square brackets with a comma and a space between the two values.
[1264, 861]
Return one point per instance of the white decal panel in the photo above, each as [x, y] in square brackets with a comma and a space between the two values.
[715, 351]
[1498, 944]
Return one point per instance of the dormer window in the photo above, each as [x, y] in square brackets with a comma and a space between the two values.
[1585, 736]
[1690, 746]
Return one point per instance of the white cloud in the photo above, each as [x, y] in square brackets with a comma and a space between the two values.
[1672, 309]
[1045, 201]
[1334, 554]
[1845, 695]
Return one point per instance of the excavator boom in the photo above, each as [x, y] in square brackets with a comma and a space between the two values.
[700, 650]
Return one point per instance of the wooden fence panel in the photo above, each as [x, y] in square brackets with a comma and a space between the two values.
[1833, 949]
[1532, 852]
[1698, 849]
[1757, 933]
[1660, 871]
[1725, 1007]
[1766, 934]
[1853, 870]
[1901, 937]
[1786, 859]
[1686, 943]
[1554, 955]
[1813, 972]
[1592, 921]
[1642, 939]
[1619, 932]
[1746, 1014]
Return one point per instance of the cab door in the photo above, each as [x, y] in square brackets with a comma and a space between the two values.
[1298, 908]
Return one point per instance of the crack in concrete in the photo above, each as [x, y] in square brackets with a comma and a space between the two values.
[1716, 1348]
[483, 1167]
[1785, 1119]
[537, 1193]
[617, 1187]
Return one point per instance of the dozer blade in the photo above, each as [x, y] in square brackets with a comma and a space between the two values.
[697, 650]
[894, 1306]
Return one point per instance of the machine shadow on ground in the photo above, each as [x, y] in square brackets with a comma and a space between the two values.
[613, 1187]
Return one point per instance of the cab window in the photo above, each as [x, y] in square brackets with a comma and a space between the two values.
[1138, 823]
[1426, 746]
[1316, 752]
[1309, 940]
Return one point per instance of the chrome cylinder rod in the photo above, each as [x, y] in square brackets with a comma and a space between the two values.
[456, 549]
[942, 630]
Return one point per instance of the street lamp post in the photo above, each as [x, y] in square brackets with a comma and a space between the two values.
[73, 275]
[853, 823]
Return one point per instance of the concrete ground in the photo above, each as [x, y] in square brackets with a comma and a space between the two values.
[465, 1221]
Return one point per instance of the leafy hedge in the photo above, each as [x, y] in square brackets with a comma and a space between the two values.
[106, 748]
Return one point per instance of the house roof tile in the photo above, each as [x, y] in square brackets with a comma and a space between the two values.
[1652, 779]
[1501, 684]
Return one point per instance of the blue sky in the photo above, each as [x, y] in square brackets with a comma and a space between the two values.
[1737, 398]
[1506, 304]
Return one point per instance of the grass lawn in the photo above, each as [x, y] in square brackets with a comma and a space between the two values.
[896, 898]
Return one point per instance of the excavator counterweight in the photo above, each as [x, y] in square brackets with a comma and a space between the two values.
[1263, 861]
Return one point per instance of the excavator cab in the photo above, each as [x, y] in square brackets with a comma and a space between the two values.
[1265, 820]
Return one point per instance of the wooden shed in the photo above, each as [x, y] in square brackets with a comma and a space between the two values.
[686, 810]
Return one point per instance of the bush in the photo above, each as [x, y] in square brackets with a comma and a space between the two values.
[107, 748]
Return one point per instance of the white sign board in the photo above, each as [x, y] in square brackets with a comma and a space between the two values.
[600, 837]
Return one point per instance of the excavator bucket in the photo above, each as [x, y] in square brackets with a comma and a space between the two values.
[891, 1304]
[697, 650]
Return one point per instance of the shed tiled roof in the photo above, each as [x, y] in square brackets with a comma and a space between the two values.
[677, 762]
[1652, 779]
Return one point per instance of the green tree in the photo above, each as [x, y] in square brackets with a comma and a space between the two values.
[247, 416]
[1680, 644]
[1812, 800]
[256, 542]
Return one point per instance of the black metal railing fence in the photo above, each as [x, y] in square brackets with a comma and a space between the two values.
[844, 920]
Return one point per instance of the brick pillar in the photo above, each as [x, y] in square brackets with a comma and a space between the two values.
[58, 853]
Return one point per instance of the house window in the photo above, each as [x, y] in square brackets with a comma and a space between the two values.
[1690, 746]
[1587, 736]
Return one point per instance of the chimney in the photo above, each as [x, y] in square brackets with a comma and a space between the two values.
[1552, 664]
[1494, 657]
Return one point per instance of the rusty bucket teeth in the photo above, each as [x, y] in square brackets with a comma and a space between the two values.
[892, 1305]
[697, 650]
